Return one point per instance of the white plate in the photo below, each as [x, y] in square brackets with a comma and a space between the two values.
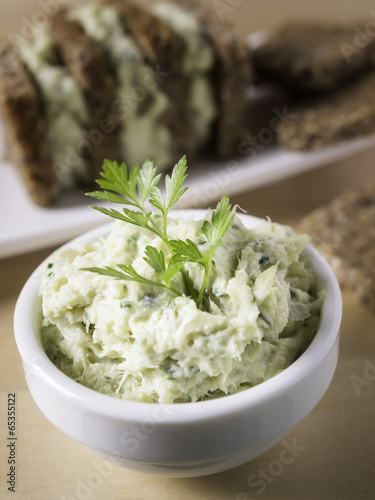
[25, 227]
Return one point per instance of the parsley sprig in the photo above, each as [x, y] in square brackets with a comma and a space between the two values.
[135, 189]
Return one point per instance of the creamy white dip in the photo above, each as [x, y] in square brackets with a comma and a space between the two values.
[143, 343]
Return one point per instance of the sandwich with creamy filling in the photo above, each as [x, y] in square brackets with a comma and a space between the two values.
[117, 80]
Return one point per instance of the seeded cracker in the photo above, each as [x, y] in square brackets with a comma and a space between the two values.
[344, 231]
[309, 56]
[345, 114]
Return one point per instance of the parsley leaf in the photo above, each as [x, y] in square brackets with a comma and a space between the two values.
[221, 220]
[147, 181]
[128, 273]
[186, 250]
[136, 218]
[155, 259]
[116, 179]
[174, 191]
[135, 188]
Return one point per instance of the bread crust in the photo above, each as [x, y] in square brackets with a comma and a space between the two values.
[25, 133]
[89, 66]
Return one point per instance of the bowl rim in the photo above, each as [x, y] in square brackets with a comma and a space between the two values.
[36, 361]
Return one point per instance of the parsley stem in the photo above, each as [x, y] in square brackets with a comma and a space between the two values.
[189, 285]
[187, 281]
[165, 216]
[167, 287]
[204, 283]
[155, 228]
[174, 290]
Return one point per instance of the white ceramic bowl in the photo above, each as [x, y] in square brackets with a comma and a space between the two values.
[189, 439]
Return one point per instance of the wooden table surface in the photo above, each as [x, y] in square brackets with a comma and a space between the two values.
[337, 439]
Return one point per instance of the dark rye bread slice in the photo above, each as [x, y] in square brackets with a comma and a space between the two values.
[25, 134]
[89, 66]
[311, 56]
[344, 114]
[344, 231]
[231, 77]
[162, 50]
